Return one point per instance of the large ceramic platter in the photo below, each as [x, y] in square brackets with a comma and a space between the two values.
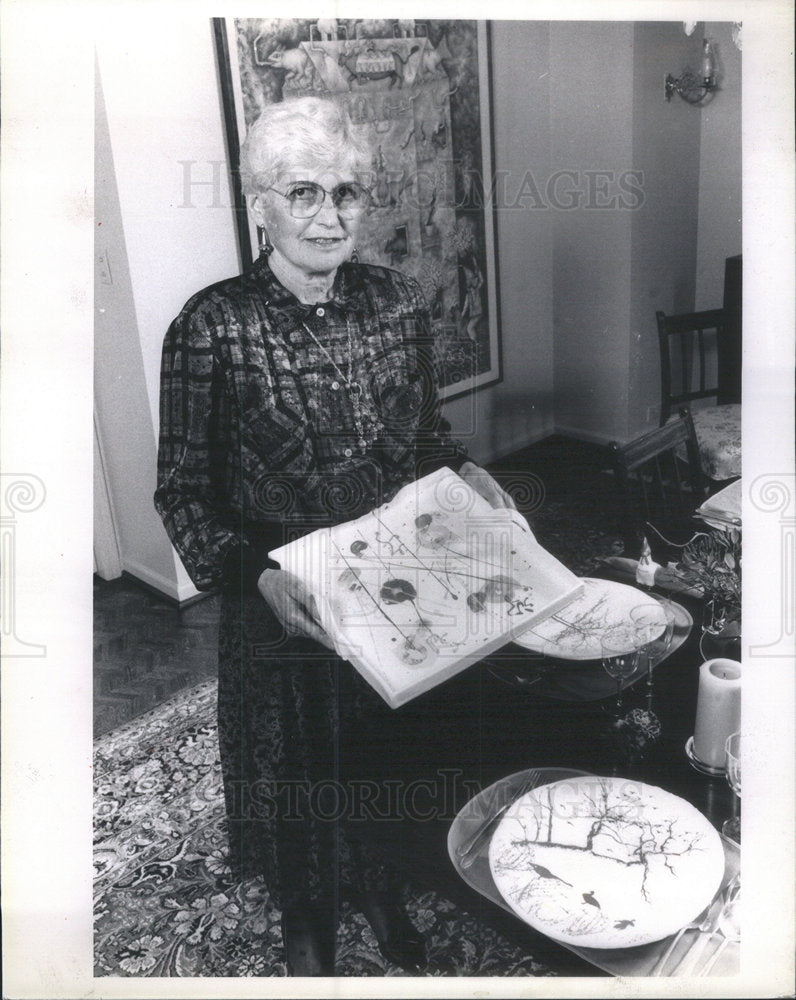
[605, 862]
[575, 632]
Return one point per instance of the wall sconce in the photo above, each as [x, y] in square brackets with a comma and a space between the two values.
[693, 88]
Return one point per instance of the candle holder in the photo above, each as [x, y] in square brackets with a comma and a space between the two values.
[700, 765]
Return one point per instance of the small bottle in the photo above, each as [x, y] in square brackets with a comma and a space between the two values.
[646, 569]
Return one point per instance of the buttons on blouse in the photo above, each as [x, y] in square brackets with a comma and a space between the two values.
[320, 311]
[335, 384]
[348, 453]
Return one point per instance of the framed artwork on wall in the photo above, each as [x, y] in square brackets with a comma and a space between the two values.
[421, 89]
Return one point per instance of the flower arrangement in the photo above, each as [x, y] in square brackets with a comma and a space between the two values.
[639, 730]
[711, 560]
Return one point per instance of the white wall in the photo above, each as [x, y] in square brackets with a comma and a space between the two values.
[592, 130]
[666, 147]
[124, 425]
[500, 419]
[613, 269]
[720, 226]
[162, 107]
[159, 80]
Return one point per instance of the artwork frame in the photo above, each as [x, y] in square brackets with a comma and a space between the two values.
[423, 91]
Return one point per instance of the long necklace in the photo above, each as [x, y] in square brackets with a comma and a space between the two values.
[354, 387]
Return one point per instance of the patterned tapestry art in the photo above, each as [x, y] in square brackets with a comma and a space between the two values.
[420, 88]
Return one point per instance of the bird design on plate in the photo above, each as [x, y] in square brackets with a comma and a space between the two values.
[605, 862]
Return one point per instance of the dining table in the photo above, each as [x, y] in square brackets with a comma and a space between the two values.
[672, 953]
[517, 710]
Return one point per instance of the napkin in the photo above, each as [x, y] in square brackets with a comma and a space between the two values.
[723, 509]
[666, 578]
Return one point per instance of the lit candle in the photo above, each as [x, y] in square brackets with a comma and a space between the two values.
[707, 62]
[718, 709]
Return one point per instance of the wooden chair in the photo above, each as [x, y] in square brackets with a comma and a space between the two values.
[657, 488]
[700, 361]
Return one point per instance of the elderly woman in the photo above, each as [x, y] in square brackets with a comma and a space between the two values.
[298, 394]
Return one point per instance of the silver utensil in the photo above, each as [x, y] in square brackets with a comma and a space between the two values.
[727, 927]
[660, 965]
[704, 923]
[715, 956]
[468, 851]
[691, 958]
[733, 936]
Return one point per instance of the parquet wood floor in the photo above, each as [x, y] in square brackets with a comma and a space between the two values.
[146, 648]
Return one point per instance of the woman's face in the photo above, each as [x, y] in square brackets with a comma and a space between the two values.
[317, 245]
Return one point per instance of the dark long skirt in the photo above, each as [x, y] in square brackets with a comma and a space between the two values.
[296, 731]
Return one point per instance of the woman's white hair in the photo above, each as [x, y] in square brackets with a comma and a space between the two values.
[310, 130]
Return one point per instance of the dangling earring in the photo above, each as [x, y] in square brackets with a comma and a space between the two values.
[355, 256]
[263, 243]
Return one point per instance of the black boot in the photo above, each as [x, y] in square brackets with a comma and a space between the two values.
[308, 937]
[399, 940]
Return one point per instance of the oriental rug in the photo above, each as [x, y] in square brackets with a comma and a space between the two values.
[165, 903]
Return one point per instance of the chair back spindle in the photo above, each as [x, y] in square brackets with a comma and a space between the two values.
[660, 481]
[697, 338]
[700, 360]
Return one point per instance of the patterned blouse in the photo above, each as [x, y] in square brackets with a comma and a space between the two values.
[260, 437]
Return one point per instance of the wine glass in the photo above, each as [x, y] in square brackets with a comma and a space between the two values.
[654, 626]
[732, 827]
[620, 657]
[714, 614]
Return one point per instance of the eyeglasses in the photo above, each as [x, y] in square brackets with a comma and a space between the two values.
[306, 197]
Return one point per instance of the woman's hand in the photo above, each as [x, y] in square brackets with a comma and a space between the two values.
[485, 486]
[292, 604]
